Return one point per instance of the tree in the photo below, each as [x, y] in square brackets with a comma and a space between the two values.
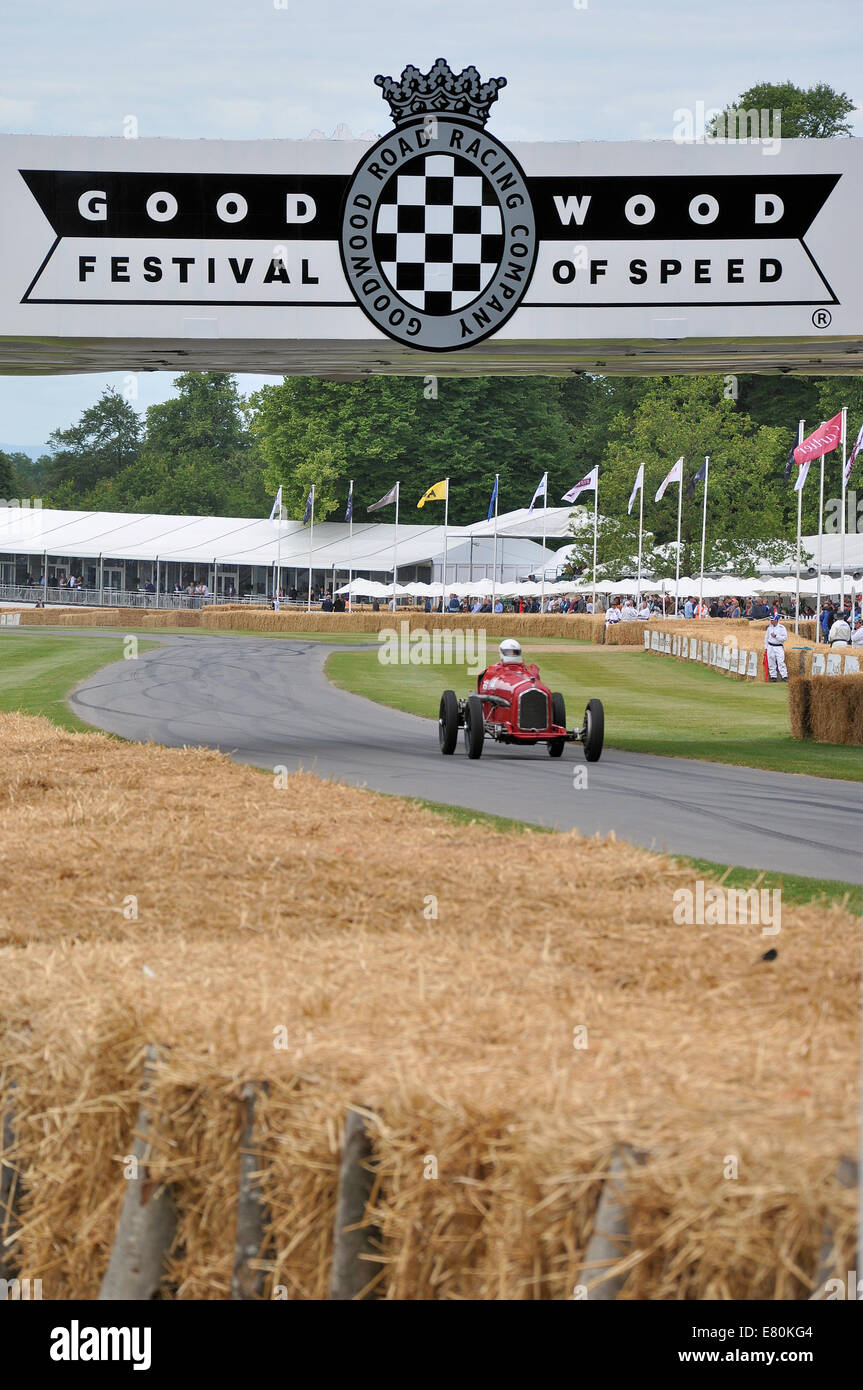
[7, 477]
[616, 549]
[690, 416]
[416, 431]
[812, 113]
[105, 441]
[198, 456]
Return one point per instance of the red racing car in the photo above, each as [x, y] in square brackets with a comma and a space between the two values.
[511, 705]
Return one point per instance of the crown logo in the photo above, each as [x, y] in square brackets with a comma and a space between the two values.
[440, 92]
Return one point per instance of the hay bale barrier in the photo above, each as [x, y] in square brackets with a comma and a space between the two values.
[243, 618]
[506, 1014]
[828, 709]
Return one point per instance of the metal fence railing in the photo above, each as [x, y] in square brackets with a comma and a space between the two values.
[120, 598]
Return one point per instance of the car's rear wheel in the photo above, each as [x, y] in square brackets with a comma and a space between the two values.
[558, 716]
[474, 729]
[447, 724]
[594, 730]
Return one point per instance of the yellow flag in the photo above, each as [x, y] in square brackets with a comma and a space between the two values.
[434, 494]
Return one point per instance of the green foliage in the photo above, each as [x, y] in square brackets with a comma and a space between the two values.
[812, 113]
[7, 477]
[194, 456]
[417, 431]
[104, 441]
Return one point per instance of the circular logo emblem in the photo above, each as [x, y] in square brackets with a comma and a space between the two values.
[438, 238]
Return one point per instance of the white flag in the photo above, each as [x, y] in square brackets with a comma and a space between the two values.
[637, 487]
[675, 476]
[584, 486]
[277, 506]
[541, 491]
[385, 501]
[802, 474]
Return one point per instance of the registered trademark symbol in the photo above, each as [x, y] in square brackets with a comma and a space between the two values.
[822, 318]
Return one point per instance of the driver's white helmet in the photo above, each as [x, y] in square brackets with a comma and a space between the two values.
[510, 650]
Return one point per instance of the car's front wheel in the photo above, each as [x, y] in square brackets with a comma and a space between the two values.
[447, 724]
[594, 730]
[474, 728]
[558, 716]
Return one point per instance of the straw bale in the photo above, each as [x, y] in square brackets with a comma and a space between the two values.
[587, 627]
[828, 709]
[799, 712]
[304, 909]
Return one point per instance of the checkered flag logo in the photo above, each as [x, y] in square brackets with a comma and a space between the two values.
[439, 233]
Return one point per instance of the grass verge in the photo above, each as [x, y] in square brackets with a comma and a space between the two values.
[38, 670]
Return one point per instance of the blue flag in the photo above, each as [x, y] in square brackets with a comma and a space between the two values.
[350, 507]
[308, 508]
[492, 502]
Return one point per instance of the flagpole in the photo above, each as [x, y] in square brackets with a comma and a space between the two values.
[820, 553]
[640, 534]
[703, 530]
[445, 524]
[311, 542]
[544, 510]
[679, 519]
[395, 546]
[494, 547]
[350, 546]
[801, 428]
[842, 540]
[278, 550]
[595, 515]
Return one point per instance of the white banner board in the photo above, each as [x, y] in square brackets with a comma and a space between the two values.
[438, 247]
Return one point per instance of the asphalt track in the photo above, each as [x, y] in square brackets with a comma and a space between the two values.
[268, 703]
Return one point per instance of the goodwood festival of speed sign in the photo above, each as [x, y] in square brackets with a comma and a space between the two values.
[344, 257]
[438, 236]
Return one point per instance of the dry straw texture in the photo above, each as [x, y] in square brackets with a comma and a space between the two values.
[579, 625]
[303, 908]
[828, 709]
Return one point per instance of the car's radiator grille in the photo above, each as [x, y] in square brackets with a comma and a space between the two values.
[533, 710]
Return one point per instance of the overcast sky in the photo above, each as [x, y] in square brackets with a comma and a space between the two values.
[265, 69]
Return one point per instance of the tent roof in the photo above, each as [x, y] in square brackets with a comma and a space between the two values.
[228, 540]
[525, 522]
[244, 540]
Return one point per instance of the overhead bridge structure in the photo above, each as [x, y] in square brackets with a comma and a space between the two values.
[435, 250]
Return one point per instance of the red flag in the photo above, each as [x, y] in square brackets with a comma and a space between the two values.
[821, 441]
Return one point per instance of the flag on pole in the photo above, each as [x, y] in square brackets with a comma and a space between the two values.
[802, 475]
[308, 510]
[437, 493]
[821, 441]
[584, 485]
[385, 501]
[349, 510]
[699, 478]
[492, 502]
[858, 443]
[637, 487]
[675, 476]
[277, 506]
[789, 463]
[541, 491]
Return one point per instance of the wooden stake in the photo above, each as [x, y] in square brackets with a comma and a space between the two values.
[248, 1282]
[610, 1241]
[351, 1273]
[147, 1222]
